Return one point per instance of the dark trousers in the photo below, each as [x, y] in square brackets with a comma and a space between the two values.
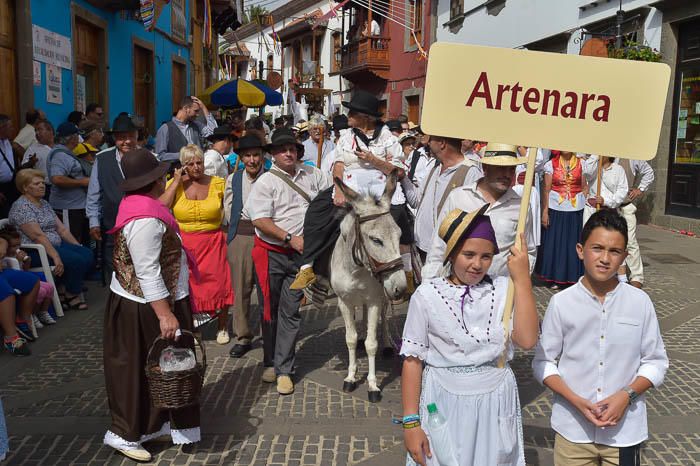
[321, 226]
[9, 190]
[77, 261]
[280, 335]
[76, 221]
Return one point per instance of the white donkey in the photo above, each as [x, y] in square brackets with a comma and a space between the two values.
[365, 269]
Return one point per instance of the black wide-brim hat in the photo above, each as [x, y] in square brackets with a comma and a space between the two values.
[123, 124]
[141, 168]
[281, 137]
[222, 132]
[364, 102]
[249, 141]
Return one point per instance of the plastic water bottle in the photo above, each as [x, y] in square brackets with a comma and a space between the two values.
[440, 441]
[177, 359]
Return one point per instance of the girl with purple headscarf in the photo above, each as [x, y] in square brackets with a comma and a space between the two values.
[452, 341]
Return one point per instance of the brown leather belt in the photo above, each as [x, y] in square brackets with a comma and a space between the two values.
[245, 228]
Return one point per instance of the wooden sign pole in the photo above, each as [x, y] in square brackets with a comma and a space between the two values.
[520, 229]
[320, 146]
[599, 181]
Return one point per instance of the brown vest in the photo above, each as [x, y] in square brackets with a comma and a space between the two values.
[170, 253]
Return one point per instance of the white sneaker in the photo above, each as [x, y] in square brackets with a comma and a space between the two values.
[45, 318]
[37, 323]
[222, 337]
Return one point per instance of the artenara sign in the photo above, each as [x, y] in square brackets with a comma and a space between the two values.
[556, 101]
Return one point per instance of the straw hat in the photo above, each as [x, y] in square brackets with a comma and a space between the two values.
[406, 135]
[455, 224]
[503, 155]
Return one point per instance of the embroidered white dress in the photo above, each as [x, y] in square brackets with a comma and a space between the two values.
[460, 346]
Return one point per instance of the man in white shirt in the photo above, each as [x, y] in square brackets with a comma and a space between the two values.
[220, 146]
[639, 176]
[613, 187]
[27, 135]
[452, 170]
[317, 130]
[600, 350]
[494, 188]
[276, 206]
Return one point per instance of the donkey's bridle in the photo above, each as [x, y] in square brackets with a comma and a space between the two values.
[359, 249]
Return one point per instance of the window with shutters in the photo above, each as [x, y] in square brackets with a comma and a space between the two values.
[456, 8]
[415, 8]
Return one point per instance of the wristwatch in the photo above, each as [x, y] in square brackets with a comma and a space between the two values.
[631, 393]
[287, 238]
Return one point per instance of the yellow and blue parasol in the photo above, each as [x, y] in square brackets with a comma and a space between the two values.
[239, 92]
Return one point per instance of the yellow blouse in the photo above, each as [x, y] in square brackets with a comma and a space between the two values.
[204, 215]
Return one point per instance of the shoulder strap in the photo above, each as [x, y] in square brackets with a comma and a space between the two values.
[457, 180]
[9, 165]
[414, 164]
[425, 185]
[291, 184]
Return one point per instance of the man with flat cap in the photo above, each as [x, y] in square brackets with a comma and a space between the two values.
[104, 195]
[494, 188]
[241, 235]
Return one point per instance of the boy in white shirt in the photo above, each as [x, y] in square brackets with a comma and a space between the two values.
[606, 339]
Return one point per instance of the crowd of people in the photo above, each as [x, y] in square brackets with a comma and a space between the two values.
[220, 208]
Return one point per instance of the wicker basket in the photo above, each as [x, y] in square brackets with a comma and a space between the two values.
[174, 390]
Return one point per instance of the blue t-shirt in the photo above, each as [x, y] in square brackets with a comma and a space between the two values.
[61, 164]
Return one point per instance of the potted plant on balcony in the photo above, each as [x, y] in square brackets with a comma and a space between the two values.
[634, 51]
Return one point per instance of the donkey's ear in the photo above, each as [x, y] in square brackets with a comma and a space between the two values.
[390, 187]
[350, 195]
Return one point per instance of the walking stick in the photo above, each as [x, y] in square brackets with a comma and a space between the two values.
[599, 182]
[522, 219]
[320, 147]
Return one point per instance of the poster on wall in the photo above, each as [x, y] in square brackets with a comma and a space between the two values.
[54, 85]
[178, 20]
[37, 72]
[51, 48]
[80, 93]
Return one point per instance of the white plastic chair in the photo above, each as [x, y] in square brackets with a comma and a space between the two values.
[45, 267]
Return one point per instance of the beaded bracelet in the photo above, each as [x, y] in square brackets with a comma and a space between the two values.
[411, 417]
[411, 425]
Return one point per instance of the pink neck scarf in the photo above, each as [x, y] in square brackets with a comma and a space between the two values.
[136, 206]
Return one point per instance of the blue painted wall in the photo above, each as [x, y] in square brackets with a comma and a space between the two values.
[55, 15]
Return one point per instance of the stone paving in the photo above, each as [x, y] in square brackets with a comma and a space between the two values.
[57, 411]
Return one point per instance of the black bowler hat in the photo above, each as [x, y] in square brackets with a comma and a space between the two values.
[140, 168]
[364, 102]
[281, 137]
[340, 122]
[221, 133]
[394, 125]
[249, 142]
[123, 124]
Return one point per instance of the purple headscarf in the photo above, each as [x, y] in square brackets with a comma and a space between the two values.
[481, 228]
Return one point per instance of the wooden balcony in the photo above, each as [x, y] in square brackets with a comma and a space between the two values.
[363, 56]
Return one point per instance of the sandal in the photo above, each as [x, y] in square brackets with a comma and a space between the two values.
[76, 303]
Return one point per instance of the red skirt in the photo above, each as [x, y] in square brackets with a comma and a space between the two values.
[213, 289]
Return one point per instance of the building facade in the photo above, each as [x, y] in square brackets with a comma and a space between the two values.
[669, 26]
[66, 54]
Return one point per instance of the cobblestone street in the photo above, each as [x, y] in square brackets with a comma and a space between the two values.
[57, 411]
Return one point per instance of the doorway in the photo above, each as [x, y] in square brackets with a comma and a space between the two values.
[143, 86]
[89, 64]
[413, 108]
[179, 83]
[8, 58]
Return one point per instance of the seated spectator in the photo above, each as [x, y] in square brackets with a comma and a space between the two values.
[41, 314]
[18, 292]
[38, 223]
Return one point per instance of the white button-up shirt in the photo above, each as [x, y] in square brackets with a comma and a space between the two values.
[427, 198]
[504, 215]
[272, 198]
[613, 188]
[601, 348]
[642, 169]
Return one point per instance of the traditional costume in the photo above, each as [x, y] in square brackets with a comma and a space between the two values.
[150, 265]
[613, 186]
[557, 261]
[457, 332]
[283, 199]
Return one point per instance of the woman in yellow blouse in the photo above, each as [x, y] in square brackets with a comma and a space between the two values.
[197, 201]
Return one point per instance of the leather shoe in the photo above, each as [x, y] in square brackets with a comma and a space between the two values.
[239, 350]
[285, 386]
[138, 454]
[269, 375]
